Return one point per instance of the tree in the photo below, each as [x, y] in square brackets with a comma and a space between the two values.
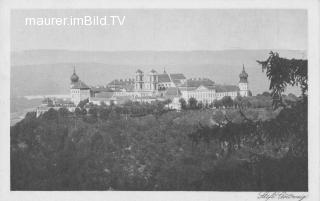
[77, 111]
[237, 101]
[103, 104]
[266, 94]
[282, 72]
[84, 111]
[167, 101]
[63, 112]
[104, 113]
[192, 103]
[83, 103]
[93, 111]
[51, 114]
[227, 101]
[217, 103]
[112, 103]
[200, 105]
[183, 103]
[30, 116]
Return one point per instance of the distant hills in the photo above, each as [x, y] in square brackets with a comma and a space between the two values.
[40, 72]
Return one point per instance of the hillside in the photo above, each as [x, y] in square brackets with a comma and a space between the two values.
[162, 151]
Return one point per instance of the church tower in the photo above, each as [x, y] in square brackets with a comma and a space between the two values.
[74, 92]
[243, 83]
[152, 81]
[78, 90]
[139, 82]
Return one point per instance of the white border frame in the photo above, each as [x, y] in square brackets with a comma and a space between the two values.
[313, 58]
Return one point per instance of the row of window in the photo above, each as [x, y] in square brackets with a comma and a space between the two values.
[210, 96]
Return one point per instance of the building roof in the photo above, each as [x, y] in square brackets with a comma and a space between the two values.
[177, 76]
[129, 87]
[74, 77]
[193, 84]
[172, 92]
[79, 85]
[139, 71]
[226, 88]
[104, 95]
[243, 76]
[100, 99]
[101, 89]
[164, 78]
[121, 82]
[127, 84]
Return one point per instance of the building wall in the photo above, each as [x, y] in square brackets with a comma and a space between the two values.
[243, 89]
[165, 85]
[84, 94]
[78, 95]
[232, 94]
[151, 82]
[75, 96]
[207, 96]
[201, 96]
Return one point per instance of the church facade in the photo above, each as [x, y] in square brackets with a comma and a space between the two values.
[151, 86]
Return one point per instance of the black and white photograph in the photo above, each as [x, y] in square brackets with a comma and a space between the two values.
[172, 100]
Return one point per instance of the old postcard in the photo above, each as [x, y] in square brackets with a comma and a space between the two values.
[160, 101]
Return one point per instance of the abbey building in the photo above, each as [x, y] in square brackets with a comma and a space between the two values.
[151, 86]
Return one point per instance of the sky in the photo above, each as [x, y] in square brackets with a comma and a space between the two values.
[165, 30]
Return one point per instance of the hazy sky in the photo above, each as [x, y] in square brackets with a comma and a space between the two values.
[163, 29]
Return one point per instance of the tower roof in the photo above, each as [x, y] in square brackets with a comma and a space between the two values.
[243, 75]
[153, 71]
[74, 77]
[79, 85]
[139, 71]
[164, 70]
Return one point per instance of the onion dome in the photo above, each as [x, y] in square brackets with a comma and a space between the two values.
[139, 71]
[74, 77]
[243, 75]
[153, 71]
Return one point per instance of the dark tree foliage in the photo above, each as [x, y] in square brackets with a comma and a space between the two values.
[227, 101]
[283, 72]
[51, 114]
[64, 112]
[192, 103]
[183, 103]
[77, 111]
[83, 103]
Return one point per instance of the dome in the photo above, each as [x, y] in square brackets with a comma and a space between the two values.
[139, 71]
[74, 77]
[153, 71]
[243, 75]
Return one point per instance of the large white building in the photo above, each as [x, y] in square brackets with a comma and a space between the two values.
[154, 86]
[206, 91]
